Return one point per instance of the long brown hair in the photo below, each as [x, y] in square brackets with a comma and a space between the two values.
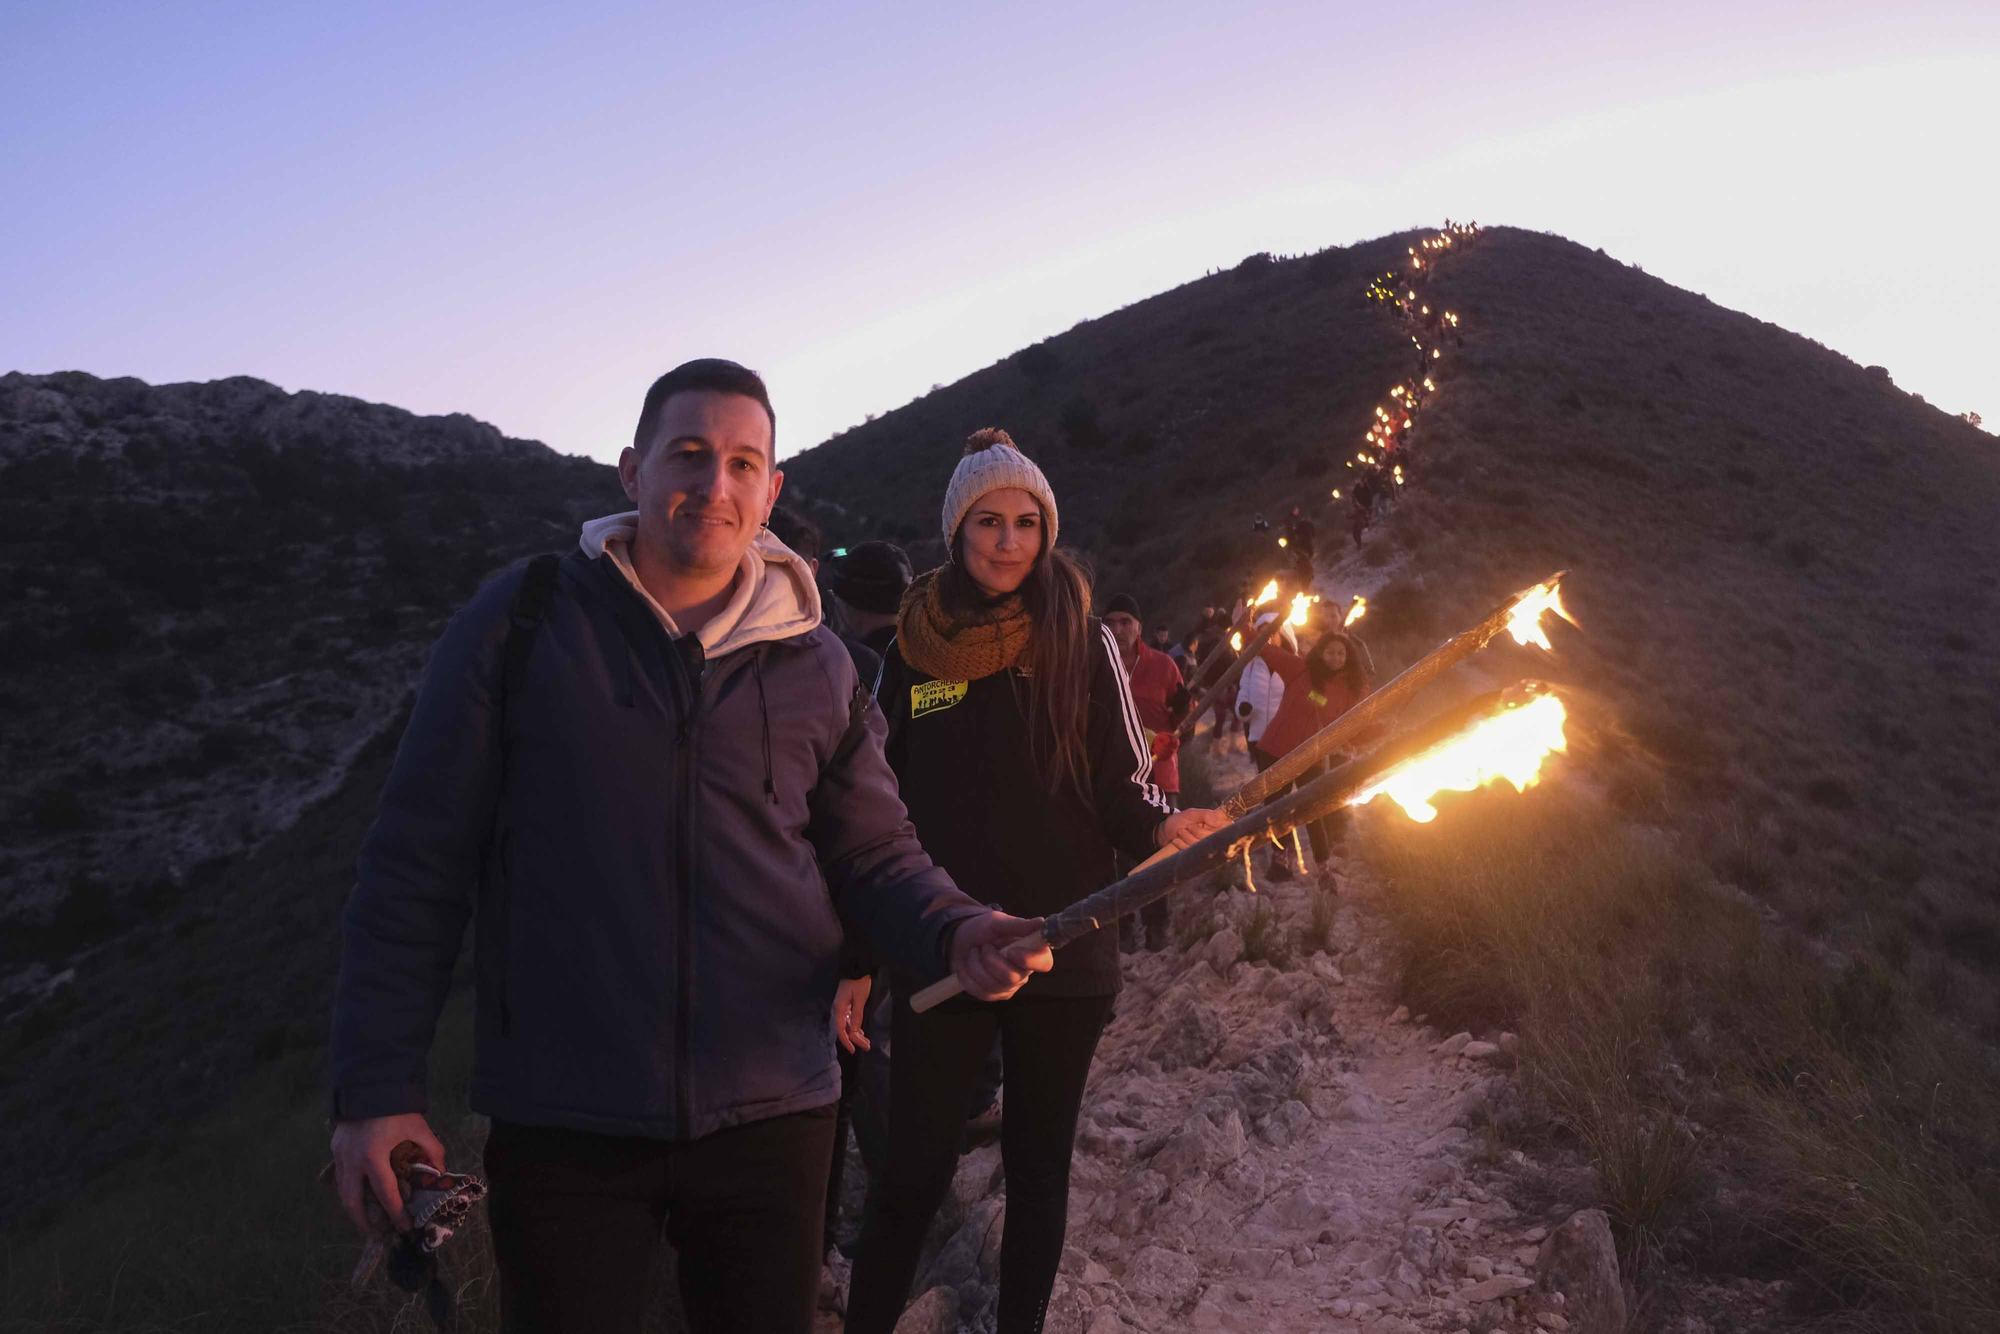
[1056, 596]
[1357, 672]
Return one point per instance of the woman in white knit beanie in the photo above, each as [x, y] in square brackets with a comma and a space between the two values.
[1020, 758]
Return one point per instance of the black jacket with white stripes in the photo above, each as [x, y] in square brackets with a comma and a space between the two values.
[985, 813]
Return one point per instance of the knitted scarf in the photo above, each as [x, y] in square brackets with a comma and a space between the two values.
[959, 646]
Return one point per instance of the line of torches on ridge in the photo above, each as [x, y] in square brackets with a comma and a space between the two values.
[1398, 412]
[1510, 742]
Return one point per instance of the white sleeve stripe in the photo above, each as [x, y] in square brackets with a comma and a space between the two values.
[1134, 733]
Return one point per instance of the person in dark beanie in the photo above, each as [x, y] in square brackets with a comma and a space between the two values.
[869, 581]
[641, 773]
[1013, 731]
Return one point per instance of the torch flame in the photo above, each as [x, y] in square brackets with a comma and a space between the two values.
[1236, 641]
[1524, 621]
[1284, 542]
[1301, 606]
[1355, 612]
[1270, 591]
[1510, 744]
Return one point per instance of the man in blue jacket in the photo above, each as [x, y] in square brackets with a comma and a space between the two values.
[645, 774]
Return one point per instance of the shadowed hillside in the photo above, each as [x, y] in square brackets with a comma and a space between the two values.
[218, 598]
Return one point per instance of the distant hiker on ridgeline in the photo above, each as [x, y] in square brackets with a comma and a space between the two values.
[1362, 510]
[640, 769]
[1018, 746]
[1301, 540]
[1332, 677]
[1162, 700]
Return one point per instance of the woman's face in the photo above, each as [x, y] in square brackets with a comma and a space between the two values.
[1334, 655]
[1002, 537]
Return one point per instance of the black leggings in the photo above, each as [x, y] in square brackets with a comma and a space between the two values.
[1047, 1043]
[577, 1220]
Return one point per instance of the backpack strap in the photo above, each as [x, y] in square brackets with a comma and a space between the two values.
[524, 617]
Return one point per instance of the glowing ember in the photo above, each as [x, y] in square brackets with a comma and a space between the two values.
[1336, 493]
[1510, 744]
[1524, 622]
[1356, 611]
[1301, 608]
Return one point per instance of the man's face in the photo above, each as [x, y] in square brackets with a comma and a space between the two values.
[705, 482]
[1124, 628]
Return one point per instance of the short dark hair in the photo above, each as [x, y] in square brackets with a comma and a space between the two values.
[795, 530]
[712, 374]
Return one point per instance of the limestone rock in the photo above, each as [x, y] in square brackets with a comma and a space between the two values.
[1268, 1079]
[1163, 1277]
[936, 1312]
[1480, 1051]
[1206, 1141]
[1225, 949]
[1579, 1261]
[1492, 1289]
[1454, 1044]
[1191, 1037]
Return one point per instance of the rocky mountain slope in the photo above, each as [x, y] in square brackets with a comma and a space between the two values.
[1785, 570]
[216, 594]
[218, 597]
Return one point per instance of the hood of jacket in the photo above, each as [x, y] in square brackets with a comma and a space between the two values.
[775, 596]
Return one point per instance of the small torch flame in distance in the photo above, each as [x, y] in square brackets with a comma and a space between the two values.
[1510, 744]
[1236, 641]
[1284, 542]
[1524, 622]
[1301, 608]
[1270, 591]
[1356, 611]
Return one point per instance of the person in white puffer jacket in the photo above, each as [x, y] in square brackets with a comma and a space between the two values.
[1260, 691]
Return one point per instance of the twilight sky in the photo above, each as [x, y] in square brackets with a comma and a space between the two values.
[526, 214]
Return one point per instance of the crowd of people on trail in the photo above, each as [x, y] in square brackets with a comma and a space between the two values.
[1388, 458]
[716, 804]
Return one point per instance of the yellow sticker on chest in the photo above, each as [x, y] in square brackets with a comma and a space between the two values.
[931, 696]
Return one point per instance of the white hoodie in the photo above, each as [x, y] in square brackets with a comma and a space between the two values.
[774, 596]
[1261, 687]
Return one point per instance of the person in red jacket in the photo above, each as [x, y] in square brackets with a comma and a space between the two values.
[1161, 697]
[1332, 677]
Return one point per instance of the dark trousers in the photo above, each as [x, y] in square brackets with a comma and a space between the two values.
[1320, 833]
[577, 1220]
[1047, 1043]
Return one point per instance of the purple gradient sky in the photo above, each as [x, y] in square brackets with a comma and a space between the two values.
[525, 216]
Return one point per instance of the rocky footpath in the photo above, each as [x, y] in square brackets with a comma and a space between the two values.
[1269, 1142]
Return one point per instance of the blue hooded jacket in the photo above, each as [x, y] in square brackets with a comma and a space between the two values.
[660, 851]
